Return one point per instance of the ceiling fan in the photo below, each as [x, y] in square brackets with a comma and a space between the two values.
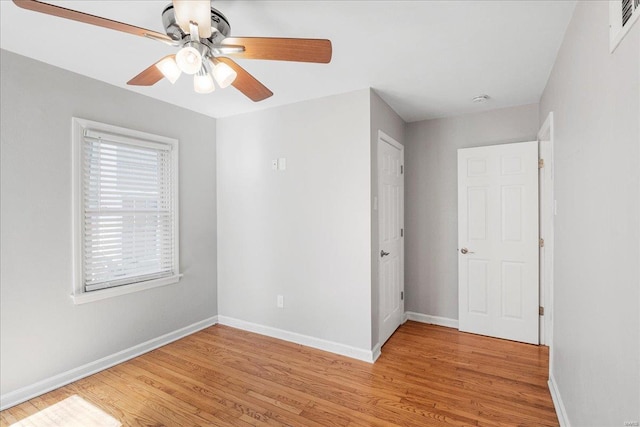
[201, 32]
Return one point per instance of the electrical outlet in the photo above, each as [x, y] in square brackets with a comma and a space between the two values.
[280, 301]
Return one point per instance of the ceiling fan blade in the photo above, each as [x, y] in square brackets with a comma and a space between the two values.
[246, 83]
[74, 15]
[150, 76]
[282, 49]
[198, 11]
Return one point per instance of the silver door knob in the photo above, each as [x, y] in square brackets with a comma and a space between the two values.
[383, 253]
[466, 251]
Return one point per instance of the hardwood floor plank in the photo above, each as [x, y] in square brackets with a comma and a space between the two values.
[237, 393]
[209, 383]
[426, 376]
[200, 394]
[183, 388]
[354, 374]
[169, 393]
[129, 412]
[355, 400]
[7, 418]
[22, 411]
[170, 408]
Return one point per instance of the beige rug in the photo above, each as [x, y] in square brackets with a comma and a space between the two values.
[73, 411]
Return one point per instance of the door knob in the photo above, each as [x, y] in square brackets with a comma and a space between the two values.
[383, 253]
[466, 251]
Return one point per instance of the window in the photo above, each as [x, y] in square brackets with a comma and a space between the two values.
[126, 216]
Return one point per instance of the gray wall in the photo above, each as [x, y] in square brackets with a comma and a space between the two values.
[42, 333]
[594, 97]
[385, 119]
[304, 233]
[431, 193]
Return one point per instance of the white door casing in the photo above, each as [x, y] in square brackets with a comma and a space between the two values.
[391, 240]
[547, 214]
[498, 241]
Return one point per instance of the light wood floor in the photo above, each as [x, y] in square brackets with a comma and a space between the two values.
[427, 376]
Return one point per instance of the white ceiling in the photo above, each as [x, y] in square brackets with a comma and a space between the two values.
[427, 59]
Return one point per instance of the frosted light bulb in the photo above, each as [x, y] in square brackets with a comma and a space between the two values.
[224, 74]
[189, 60]
[203, 83]
[169, 69]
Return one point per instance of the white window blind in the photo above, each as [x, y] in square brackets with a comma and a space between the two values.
[128, 209]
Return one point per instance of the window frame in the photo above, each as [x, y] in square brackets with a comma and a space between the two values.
[79, 295]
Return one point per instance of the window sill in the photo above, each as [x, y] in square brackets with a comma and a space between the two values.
[85, 297]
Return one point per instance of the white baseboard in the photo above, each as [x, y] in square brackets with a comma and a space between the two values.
[376, 352]
[561, 412]
[306, 340]
[432, 320]
[23, 394]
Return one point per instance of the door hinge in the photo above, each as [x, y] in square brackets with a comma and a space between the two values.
[541, 311]
[401, 295]
[541, 242]
[401, 169]
[540, 163]
[402, 232]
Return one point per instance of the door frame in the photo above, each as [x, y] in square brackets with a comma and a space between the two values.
[547, 206]
[384, 138]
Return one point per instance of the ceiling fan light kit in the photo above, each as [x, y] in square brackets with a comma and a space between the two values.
[203, 83]
[169, 68]
[189, 59]
[223, 74]
[202, 33]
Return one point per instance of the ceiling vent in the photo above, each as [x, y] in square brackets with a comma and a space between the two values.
[622, 15]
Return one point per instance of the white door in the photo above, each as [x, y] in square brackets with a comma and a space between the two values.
[391, 223]
[498, 241]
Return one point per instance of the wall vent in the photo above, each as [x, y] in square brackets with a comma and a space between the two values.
[627, 11]
[622, 15]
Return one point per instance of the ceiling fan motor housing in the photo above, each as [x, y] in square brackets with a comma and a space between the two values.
[218, 22]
